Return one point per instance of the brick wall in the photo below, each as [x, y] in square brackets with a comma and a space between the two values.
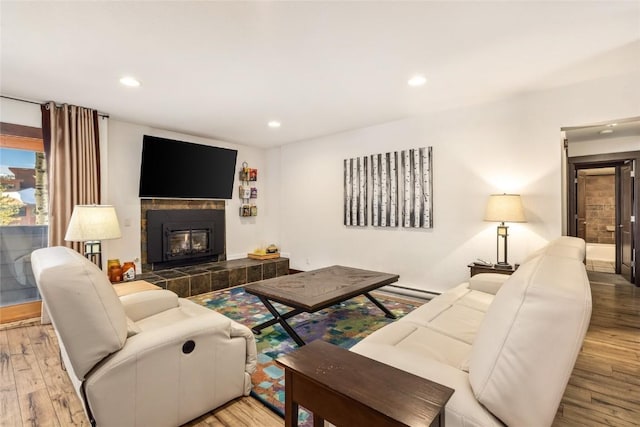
[600, 208]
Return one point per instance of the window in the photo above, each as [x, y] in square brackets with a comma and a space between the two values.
[23, 210]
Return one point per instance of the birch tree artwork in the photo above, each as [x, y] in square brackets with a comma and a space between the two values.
[417, 207]
[384, 206]
[355, 191]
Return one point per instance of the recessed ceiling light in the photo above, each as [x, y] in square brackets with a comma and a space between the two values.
[274, 124]
[130, 81]
[605, 131]
[417, 80]
[610, 125]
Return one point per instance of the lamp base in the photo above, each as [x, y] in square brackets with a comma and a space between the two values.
[93, 251]
[503, 266]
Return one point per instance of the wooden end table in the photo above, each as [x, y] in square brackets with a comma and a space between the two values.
[348, 389]
[126, 288]
[477, 269]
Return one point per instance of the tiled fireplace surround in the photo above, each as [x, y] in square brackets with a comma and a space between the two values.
[197, 279]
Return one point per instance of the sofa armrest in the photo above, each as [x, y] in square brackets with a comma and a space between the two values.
[143, 304]
[489, 283]
[238, 330]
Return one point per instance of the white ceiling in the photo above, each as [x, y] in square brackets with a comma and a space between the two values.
[224, 69]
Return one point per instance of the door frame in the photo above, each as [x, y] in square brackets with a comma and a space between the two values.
[600, 161]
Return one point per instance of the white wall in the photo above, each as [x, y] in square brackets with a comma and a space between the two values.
[608, 145]
[509, 146]
[20, 113]
[124, 156]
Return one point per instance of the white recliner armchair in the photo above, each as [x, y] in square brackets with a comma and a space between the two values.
[145, 359]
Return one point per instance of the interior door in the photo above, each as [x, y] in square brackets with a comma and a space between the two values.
[626, 223]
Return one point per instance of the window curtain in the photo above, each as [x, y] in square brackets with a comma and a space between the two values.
[71, 147]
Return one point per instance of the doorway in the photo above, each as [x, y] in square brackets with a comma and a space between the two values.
[596, 209]
[602, 209]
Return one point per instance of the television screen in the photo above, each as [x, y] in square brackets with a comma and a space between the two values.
[182, 170]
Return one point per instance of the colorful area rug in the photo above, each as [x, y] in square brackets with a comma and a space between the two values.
[343, 324]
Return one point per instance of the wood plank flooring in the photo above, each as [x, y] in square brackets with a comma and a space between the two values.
[604, 388]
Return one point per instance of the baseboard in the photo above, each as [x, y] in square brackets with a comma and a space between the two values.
[410, 292]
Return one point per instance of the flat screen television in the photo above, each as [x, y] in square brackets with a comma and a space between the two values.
[183, 170]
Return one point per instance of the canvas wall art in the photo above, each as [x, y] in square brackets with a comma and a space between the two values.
[417, 203]
[384, 177]
[355, 191]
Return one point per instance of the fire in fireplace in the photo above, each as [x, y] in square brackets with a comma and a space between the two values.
[184, 236]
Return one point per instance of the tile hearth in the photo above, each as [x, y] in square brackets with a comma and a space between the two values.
[198, 279]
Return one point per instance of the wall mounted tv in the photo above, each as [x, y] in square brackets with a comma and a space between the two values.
[182, 170]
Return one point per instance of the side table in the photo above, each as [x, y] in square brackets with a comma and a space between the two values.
[126, 288]
[477, 269]
[348, 389]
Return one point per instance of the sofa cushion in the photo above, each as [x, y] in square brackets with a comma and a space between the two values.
[462, 409]
[84, 308]
[422, 341]
[527, 344]
[477, 300]
[459, 322]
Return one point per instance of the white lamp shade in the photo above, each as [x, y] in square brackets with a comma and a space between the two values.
[505, 208]
[93, 222]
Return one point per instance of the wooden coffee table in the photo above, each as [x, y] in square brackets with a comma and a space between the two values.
[315, 290]
[348, 389]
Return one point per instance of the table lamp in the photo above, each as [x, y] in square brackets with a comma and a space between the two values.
[504, 208]
[91, 224]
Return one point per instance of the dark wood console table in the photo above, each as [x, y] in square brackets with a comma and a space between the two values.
[348, 389]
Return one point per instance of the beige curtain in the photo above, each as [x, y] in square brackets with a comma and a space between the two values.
[71, 147]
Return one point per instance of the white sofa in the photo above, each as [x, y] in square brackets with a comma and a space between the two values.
[145, 359]
[506, 344]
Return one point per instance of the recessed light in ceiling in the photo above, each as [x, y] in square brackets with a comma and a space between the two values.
[605, 131]
[417, 80]
[610, 125]
[130, 81]
[274, 124]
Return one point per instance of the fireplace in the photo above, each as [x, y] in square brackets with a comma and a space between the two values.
[180, 237]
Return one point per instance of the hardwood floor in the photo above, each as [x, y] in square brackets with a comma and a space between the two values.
[35, 391]
[604, 388]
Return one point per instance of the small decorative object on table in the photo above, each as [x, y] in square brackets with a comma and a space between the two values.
[128, 271]
[114, 271]
[272, 249]
[271, 252]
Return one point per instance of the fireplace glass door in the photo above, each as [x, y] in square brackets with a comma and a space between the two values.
[184, 243]
[179, 243]
[199, 241]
